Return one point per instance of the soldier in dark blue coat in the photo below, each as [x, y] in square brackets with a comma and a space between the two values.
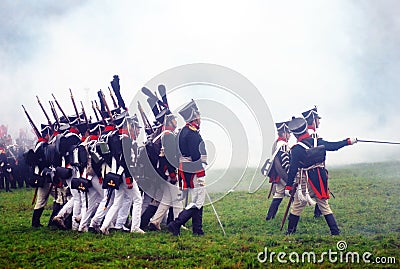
[191, 172]
[280, 167]
[312, 118]
[310, 174]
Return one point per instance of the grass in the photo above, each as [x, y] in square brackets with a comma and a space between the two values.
[366, 207]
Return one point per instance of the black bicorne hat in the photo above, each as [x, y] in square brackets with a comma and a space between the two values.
[45, 130]
[282, 127]
[190, 111]
[119, 121]
[96, 127]
[82, 127]
[312, 113]
[298, 126]
[163, 115]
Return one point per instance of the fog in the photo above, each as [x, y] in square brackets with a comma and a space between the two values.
[342, 56]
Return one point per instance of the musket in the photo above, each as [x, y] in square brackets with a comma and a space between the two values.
[34, 196]
[34, 128]
[45, 114]
[73, 103]
[270, 190]
[53, 110]
[113, 99]
[379, 142]
[291, 199]
[145, 120]
[101, 114]
[60, 108]
[84, 115]
[95, 112]
[106, 106]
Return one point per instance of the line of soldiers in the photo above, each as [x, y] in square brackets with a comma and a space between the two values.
[103, 180]
[299, 172]
[13, 170]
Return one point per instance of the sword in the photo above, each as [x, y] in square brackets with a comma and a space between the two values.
[215, 212]
[379, 142]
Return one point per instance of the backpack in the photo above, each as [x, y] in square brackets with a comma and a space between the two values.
[314, 155]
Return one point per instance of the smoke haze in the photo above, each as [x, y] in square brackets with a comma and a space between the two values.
[342, 56]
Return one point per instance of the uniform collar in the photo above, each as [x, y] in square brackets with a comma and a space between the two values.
[303, 136]
[282, 139]
[192, 127]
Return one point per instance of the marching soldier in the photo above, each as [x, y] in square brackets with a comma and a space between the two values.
[93, 174]
[312, 118]
[5, 169]
[128, 190]
[132, 197]
[167, 167]
[42, 174]
[105, 163]
[280, 168]
[69, 143]
[191, 172]
[307, 169]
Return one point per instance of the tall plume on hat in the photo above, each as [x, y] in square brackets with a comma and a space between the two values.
[102, 105]
[116, 88]
[163, 93]
[154, 101]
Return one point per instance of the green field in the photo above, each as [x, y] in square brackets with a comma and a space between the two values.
[367, 208]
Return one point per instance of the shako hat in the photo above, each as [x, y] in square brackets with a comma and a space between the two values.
[164, 116]
[82, 127]
[45, 130]
[96, 127]
[282, 127]
[190, 111]
[312, 113]
[298, 126]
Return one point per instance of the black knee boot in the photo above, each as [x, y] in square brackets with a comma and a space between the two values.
[37, 213]
[170, 215]
[273, 208]
[56, 208]
[317, 212]
[330, 219]
[197, 221]
[293, 220]
[175, 226]
[147, 215]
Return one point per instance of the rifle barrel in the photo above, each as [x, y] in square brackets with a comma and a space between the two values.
[95, 112]
[291, 199]
[145, 120]
[73, 103]
[60, 108]
[45, 113]
[112, 98]
[85, 116]
[107, 107]
[54, 112]
[34, 128]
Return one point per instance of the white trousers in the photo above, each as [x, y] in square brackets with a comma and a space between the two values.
[198, 193]
[171, 197]
[95, 195]
[101, 209]
[119, 211]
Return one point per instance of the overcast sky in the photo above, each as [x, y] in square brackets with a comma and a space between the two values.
[342, 56]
